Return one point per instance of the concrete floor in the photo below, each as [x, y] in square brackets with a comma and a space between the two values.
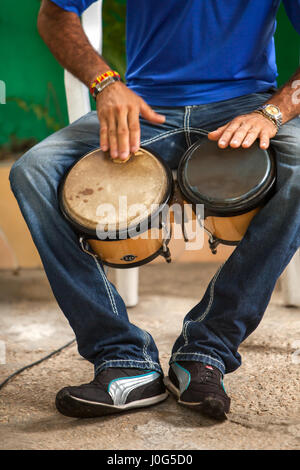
[264, 391]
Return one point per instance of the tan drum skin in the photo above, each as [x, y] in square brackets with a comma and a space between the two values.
[95, 179]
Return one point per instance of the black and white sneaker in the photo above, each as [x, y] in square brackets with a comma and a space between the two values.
[199, 386]
[112, 391]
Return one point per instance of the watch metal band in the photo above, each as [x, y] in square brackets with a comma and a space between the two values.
[273, 120]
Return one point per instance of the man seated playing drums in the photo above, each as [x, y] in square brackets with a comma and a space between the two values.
[191, 65]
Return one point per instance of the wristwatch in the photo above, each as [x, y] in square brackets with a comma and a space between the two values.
[272, 112]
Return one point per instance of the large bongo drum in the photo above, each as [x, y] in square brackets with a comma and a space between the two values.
[117, 208]
[232, 184]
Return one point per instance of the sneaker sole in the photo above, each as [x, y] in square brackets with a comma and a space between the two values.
[211, 406]
[75, 407]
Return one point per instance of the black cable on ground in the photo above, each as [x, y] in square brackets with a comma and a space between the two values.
[36, 362]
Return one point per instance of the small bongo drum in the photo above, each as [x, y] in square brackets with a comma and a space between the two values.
[232, 184]
[116, 208]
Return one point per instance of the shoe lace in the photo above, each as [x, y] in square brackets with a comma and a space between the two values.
[207, 375]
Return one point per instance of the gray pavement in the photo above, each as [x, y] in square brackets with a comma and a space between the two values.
[265, 390]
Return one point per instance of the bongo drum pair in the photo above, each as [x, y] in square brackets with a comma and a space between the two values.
[120, 211]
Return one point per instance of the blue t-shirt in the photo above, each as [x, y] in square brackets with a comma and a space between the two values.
[188, 52]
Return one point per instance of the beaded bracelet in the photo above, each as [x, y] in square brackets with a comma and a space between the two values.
[99, 87]
[102, 77]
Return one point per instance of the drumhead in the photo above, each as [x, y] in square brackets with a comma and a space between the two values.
[95, 183]
[227, 181]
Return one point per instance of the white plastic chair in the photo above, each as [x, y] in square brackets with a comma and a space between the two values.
[78, 103]
[290, 282]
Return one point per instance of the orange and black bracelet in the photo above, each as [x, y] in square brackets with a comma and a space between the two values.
[103, 80]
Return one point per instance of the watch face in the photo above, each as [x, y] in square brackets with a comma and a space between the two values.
[271, 109]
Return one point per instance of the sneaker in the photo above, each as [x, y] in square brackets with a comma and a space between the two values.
[112, 391]
[199, 386]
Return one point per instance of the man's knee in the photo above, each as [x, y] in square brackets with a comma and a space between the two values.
[22, 169]
[29, 168]
[288, 194]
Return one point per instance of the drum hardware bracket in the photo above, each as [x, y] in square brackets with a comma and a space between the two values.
[84, 245]
[185, 237]
[165, 252]
[212, 240]
[213, 244]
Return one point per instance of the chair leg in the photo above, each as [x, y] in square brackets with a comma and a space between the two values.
[289, 282]
[127, 284]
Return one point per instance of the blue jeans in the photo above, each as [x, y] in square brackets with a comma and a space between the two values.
[238, 294]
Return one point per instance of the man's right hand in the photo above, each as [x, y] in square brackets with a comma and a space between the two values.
[118, 111]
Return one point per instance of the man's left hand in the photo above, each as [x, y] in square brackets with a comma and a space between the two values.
[244, 130]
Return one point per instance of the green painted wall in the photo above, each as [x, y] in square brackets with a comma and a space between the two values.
[287, 47]
[34, 80]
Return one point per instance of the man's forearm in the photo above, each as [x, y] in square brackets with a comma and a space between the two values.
[64, 35]
[287, 98]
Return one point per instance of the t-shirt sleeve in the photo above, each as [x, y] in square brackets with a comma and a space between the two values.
[76, 6]
[292, 7]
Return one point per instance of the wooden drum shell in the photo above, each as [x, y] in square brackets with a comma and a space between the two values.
[117, 253]
[229, 229]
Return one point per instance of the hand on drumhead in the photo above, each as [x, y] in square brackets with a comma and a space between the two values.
[118, 111]
[244, 130]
